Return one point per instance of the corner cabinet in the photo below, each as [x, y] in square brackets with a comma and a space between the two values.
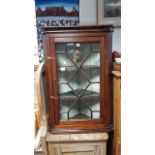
[78, 66]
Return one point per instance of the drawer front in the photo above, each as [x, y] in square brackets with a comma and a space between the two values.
[98, 148]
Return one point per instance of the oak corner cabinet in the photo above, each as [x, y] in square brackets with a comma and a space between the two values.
[78, 66]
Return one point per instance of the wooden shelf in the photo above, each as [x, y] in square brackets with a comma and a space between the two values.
[70, 95]
[72, 68]
[63, 52]
[80, 116]
[67, 82]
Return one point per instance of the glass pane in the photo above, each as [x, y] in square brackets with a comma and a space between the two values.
[64, 74]
[65, 112]
[60, 48]
[96, 115]
[63, 61]
[93, 60]
[79, 111]
[93, 102]
[63, 116]
[78, 83]
[96, 47]
[93, 73]
[64, 88]
[78, 80]
[77, 52]
[94, 87]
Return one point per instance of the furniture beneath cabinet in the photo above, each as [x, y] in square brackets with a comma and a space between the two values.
[116, 109]
[37, 119]
[40, 97]
[77, 144]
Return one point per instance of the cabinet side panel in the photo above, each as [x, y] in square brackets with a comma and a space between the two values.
[49, 84]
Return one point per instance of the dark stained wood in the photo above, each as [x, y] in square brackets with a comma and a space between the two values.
[102, 80]
[48, 70]
[79, 39]
[53, 35]
[85, 129]
[73, 29]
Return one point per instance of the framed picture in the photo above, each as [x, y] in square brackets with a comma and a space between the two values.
[54, 13]
[109, 12]
[57, 13]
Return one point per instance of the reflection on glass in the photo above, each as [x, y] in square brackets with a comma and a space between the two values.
[93, 60]
[60, 48]
[96, 47]
[78, 80]
[64, 88]
[82, 112]
[93, 74]
[63, 60]
[77, 52]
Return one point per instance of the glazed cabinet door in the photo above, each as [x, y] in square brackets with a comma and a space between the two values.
[77, 81]
[78, 70]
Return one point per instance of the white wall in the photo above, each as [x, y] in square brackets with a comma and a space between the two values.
[88, 16]
[116, 40]
[88, 13]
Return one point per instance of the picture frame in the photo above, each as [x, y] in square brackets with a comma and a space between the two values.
[54, 13]
[106, 20]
